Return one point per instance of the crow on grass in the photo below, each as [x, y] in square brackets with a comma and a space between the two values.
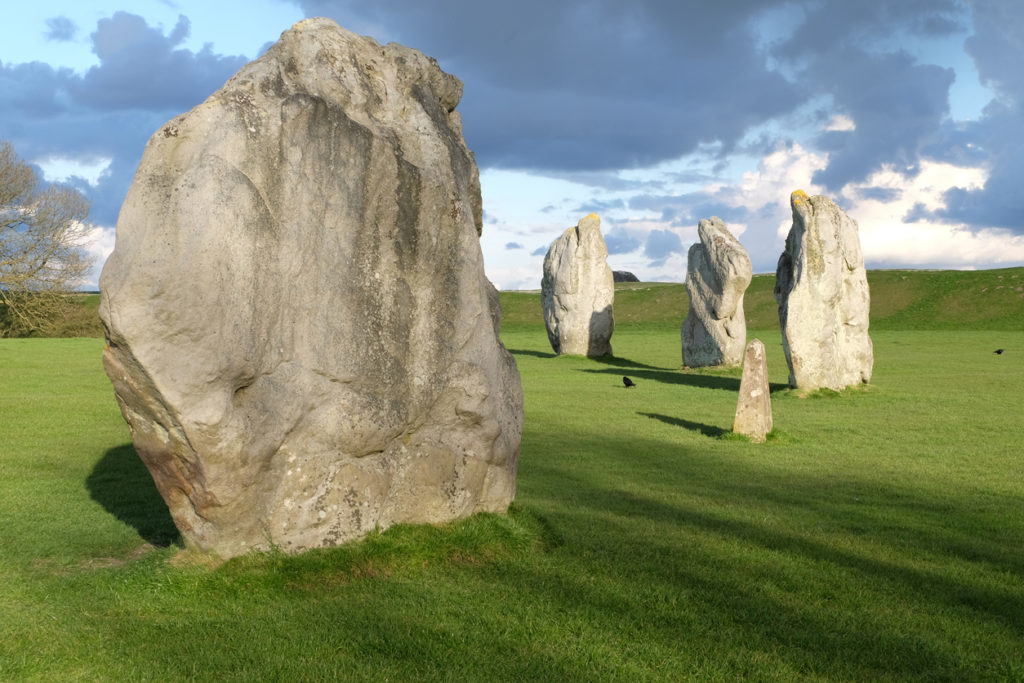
[628, 382]
[999, 351]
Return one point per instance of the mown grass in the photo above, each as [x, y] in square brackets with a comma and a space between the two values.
[878, 535]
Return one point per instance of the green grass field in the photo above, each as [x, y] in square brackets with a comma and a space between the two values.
[878, 536]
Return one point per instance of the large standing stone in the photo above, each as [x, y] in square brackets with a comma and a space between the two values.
[301, 335]
[822, 291]
[717, 276]
[577, 291]
[754, 407]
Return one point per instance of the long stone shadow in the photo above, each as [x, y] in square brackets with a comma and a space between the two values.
[121, 483]
[619, 362]
[705, 429]
[690, 379]
[676, 377]
[531, 352]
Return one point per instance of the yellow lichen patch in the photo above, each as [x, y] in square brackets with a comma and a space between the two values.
[798, 196]
[593, 215]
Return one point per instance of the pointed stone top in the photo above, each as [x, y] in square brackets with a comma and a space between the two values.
[589, 223]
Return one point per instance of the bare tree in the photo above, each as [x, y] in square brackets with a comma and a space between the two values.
[42, 247]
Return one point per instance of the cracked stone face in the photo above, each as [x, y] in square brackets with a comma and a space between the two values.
[300, 333]
[717, 276]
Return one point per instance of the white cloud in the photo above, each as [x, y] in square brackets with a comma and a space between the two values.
[777, 176]
[57, 169]
[886, 239]
[99, 245]
[841, 123]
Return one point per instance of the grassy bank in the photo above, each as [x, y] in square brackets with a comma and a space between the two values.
[900, 300]
[880, 535]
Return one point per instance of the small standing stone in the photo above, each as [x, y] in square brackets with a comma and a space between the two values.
[754, 409]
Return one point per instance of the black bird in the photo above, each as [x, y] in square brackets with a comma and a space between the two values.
[998, 351]
[628, 382]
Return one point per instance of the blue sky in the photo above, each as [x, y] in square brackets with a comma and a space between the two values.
[651, 113]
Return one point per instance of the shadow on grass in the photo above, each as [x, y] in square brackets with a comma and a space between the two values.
[705, 429]
[676, 377]
[859, 540]
[691, 379]
[531, 352]
[620, 362]
[121, 483]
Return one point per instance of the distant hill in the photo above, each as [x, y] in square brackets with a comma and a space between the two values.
[900, 299]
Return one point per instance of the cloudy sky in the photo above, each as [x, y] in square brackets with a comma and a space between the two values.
[651, 113]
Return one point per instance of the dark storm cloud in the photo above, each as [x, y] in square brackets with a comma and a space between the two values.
[585, 86]
[600, 206]
[141, 68]
[31, 91]
[60, 29]
[109, 112]
[998, 135]
[897, 105]
[882, 194]
[661, 244]
[686, 210]
[580, 90]
[619, 241]
[852, 51]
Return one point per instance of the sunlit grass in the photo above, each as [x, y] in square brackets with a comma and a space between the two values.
[878, 535]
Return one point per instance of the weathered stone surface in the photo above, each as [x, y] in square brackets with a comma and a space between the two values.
[577, 291]
[301, 335]
[822, 291]
[717, 276]
[754, 408]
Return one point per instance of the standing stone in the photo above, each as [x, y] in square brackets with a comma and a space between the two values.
[822, 291]
[754, 408]
[300, 333]
[717, 276]
[577, 292]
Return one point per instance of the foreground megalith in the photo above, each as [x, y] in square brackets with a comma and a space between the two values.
[300, 333]
[577, 291]
[717, 276]
[822, 291]
[754, 406]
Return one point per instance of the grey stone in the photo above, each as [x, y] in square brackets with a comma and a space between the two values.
[300, 333]
[717, 276]
[754, 407]
[822, 291]
[577, 292]
[624, 276]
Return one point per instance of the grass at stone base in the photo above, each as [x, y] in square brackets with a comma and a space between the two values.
[880, 535]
